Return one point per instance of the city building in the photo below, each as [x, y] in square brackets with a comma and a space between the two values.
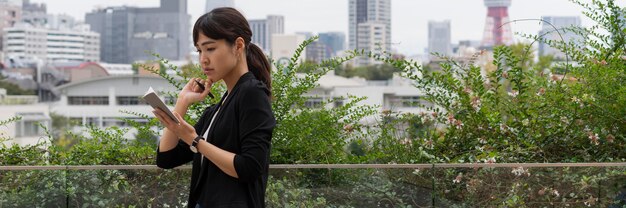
[35, 14]
[98, 101]
[129, 34]
[334, 42]
[10, 14]
[25, 42]
[397, 94]
[12, 2]
[497, 30]
[371, 37]
[316, 52]
[28, 129]
[439, 40]
[561, 23]
[368, 19]
[263, 29]
[284, 47]
[212, 4]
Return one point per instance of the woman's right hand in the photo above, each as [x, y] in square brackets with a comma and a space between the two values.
[192, 93]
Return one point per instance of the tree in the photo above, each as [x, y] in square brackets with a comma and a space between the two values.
[13, 89]
[372, 72]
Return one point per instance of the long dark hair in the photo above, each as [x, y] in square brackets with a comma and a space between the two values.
[229, 24]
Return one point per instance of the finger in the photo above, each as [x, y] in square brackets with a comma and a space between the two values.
[158, 117]
[189, 84]
[180, 118]
[207, 89]
[166, 120]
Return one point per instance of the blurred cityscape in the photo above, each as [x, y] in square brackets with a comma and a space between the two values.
[53, 64]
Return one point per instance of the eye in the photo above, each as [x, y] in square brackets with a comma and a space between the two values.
[210, 49]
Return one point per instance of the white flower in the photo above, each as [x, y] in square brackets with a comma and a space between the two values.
[593, 138]
[519, 171]
[513, 93]
[416, 172]
[482, 140]
[541, 91]
[590, 201]
[525, 122]
[458, 178]
[476, 103]
[564, 119]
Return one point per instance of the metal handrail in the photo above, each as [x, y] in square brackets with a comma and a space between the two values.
[329, 166]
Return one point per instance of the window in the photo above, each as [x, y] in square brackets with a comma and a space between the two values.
[79, 100]
[338, 103]
[130, 100]
[29, 129]
[29, 126]
[406, 101]
[313, 103]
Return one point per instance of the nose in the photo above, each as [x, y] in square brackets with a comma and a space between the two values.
[204, 59]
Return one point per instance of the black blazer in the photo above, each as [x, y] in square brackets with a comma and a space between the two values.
[243, 126]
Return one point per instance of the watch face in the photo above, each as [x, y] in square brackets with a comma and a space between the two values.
[193, 149]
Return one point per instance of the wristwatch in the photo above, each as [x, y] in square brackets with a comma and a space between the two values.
[194, 144]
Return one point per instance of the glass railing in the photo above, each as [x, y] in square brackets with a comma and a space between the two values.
[337, 185]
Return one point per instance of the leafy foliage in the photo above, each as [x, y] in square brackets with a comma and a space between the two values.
[507, 109]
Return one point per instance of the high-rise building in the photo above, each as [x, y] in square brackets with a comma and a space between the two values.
[128, 33]
[549, 33]
[284, 46]
[369, 13]
[439, 38]
[17, 3]
[371, 38]
[212, 4]
[35, 14]
[27, 42]
[316, 52]
[497, 31]
[263, 29]
[334, 42]
[10, 14]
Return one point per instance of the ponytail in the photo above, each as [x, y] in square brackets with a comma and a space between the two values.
[259, 65]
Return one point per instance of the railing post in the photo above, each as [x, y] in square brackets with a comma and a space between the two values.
[434, 191]
[67, 194]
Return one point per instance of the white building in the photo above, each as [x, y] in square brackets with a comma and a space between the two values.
[397, 94]
[264, 29]
[98, 101]
[439, 37]
[284, 47]
[368, 12]
[371, 38]
[548, 32]
[118, 69]
[10, 14]
[26, 130]
[25, 42]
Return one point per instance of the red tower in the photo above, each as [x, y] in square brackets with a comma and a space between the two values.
[496, 33]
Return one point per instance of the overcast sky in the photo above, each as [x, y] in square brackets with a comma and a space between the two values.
[409, 20]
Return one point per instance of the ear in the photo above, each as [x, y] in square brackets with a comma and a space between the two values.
[240, 44]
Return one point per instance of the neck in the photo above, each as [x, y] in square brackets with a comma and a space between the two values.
[232, 78]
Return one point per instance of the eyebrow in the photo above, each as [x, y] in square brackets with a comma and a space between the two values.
[205, 43]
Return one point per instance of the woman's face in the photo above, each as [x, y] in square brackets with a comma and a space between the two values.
[217, 57]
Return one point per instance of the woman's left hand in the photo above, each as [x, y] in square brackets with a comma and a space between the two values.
[182, 130]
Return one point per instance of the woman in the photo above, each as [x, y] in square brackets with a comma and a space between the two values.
[230, 144]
